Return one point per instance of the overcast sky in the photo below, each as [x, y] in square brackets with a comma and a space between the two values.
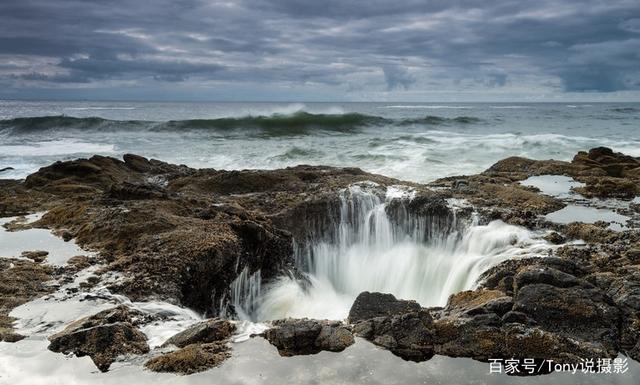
[320, 50]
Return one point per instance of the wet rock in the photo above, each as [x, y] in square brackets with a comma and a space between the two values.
[633, 255]
[80, 262]
[474, 302]
[38, 256]
[371, 305]
[516, 317]
[6, 169]
[20, 281]
[577, 311]
[305, 336]
[609, 187]
[408, 335]
[526, 342]
[211, 330]
[103, 337]
[468, 338]
[555, 238]
[588, 232]
[136, 191]
[545, 275]
[190, 359]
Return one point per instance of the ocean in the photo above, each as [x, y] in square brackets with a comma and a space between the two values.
[417, 142]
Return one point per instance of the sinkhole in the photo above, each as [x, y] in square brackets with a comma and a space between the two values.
[382, 241]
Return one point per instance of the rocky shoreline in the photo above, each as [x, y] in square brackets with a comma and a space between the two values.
[182, 235]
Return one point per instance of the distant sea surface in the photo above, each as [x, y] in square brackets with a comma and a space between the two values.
[411, 141]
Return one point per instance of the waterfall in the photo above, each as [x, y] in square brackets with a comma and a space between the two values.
[379, 245]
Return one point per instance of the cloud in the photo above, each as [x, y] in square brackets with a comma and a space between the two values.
[336, 47]
[397, 77]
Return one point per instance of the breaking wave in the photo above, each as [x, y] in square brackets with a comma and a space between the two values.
[297, 123]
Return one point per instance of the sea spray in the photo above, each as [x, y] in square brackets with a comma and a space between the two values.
[379, 244]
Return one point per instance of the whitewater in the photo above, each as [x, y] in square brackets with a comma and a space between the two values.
[418, 142]
[382, 247]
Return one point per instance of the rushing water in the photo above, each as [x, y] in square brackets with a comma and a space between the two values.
[374, 247]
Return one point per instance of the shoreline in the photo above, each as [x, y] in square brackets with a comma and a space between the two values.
[183, 236]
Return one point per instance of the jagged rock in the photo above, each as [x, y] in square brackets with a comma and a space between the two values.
[37, 256]
[20, 281]
[103, 337]
[545, 275]
[371, 305]
[190, 359]
[211, 330]
[305, 336]
[409, 335]
[474, 302]
[184, 235]
[555, 238]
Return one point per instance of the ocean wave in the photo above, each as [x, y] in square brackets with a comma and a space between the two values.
[277, 124]
[298, 123]
[625, 109]
[428, 107]
[298, 153]
[98, 108]
[437, 120]
[44, 123]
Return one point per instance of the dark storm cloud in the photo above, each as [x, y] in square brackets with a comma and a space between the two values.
[343, 45]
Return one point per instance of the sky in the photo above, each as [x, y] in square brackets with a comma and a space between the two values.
[312, 50]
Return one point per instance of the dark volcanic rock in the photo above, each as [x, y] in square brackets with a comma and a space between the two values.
[371, 305]
[184, 235]
[103, 337]
[177, 233]
[20, 282]
[37, 256]
[211, 330]
[409, 335]
[304, 336]
[190, 359]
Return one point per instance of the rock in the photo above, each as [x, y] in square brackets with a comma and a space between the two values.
[408, 335]
[136, 191]
[103, 337]
[474, 302]
[305, 336]
[80, 262]
[555, 238]
[37, 256]
[545, 275]
[334, 339]
[6, 169]
[211, 330]
[20, 281]
[371, 305]
[525, 342]
[609, 187]
[190, 359]
[633, 255]
[577, 311]
[516, 317]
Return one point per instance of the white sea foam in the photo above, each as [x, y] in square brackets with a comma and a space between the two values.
[57, 147]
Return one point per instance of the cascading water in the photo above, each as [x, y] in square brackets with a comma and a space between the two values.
[380, 245]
